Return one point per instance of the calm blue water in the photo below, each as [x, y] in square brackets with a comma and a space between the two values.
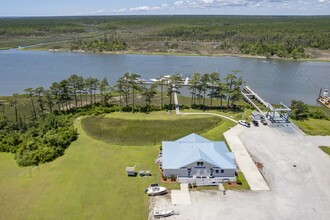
[275, 80]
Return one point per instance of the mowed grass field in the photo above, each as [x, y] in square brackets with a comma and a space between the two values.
[89, 181]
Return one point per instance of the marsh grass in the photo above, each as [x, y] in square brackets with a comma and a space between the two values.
[313, 126]
[135, 132]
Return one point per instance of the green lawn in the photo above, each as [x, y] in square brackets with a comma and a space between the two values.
[314, 126]
[132, 129]
[88, 182]
[325, 149]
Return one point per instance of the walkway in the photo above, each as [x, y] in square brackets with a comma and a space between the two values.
[177, 110]
[244, 161]
[181, 197]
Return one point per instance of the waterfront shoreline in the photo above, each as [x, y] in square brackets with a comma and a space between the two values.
[132, 52]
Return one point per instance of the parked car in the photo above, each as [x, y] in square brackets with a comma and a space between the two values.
[244, 123]
[264, 122]
[256, 123]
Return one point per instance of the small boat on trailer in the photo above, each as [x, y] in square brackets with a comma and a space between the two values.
[164, 213]
[154, 190]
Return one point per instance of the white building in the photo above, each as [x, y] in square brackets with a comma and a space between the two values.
[196, 157]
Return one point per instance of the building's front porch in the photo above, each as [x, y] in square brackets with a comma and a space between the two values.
[205, 180]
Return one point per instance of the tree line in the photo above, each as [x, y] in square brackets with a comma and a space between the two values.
[282, 36]
[287, 38]
[77, 91]
[106, 43]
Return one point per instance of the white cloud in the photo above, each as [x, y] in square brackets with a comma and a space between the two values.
[96, 12]
[178, 3]
[120, 10]
[146, 8]
[208, 1]
[217, 4]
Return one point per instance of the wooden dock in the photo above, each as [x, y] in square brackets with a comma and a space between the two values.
[249, 94]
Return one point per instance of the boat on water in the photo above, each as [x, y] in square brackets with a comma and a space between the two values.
[154, 190]
[164, 213]
[324, 98]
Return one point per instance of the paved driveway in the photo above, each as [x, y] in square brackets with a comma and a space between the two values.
[243, 159]
[296, 170]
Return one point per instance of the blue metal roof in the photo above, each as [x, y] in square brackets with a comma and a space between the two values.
[193, 138]
[192, 148]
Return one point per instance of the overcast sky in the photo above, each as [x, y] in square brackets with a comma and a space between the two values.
[147, 7]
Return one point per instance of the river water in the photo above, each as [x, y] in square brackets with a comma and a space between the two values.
[275, 80]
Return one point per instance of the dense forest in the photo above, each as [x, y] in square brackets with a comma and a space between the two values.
[281, 36]
[106, 43]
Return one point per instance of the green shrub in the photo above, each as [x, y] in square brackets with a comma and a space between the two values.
[173, 178]
[239, 180]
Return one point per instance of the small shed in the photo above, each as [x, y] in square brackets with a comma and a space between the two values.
[130, 171]
[256, 115]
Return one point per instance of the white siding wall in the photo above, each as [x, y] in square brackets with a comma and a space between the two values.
[204, 170]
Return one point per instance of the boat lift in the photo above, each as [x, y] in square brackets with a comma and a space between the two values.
[275, 115]
[278, 115]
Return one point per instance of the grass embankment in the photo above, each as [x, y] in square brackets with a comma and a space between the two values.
[89, 181]
[138, 132]
[314, 126]
[325, 149]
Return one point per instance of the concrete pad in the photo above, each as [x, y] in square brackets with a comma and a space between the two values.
[221, 188]
[244, 161]
[184, 186]
[180, 197]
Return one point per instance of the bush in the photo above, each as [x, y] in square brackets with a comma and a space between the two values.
[300, 110]
[318, 114]
[239, 180]
[173, 178]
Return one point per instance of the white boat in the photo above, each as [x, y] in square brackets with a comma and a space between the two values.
[186, 81]
[164, 213]
[154, 190]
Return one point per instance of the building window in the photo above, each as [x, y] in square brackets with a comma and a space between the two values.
[216, 171]
[200, 164]
[222, 171]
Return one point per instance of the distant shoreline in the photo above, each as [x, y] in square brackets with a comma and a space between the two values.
[183, 54]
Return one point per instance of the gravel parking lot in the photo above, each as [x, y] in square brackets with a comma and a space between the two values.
[296, 170]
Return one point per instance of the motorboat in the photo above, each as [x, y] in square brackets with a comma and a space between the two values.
[164, 213]
[154, 80]
[154, 190]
